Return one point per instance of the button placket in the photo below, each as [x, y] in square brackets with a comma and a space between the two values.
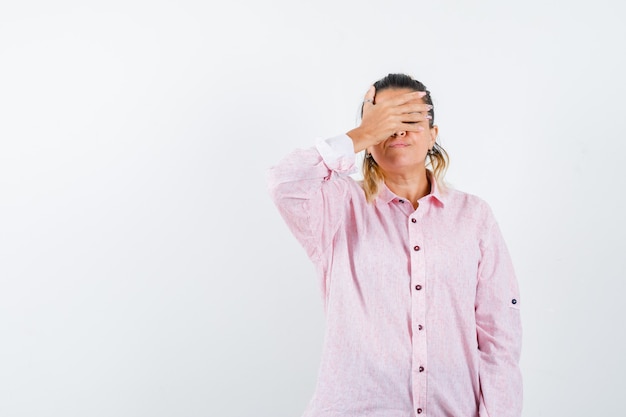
[418, 307]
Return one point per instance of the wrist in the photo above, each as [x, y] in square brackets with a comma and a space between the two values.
[360, 139]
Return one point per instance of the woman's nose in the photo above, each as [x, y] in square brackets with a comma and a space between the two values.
[401, 133]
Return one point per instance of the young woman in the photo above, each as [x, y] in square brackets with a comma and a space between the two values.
[421, 299]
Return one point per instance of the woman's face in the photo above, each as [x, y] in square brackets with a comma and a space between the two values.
[404, 152]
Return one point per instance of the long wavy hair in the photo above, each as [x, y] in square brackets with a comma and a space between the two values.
[437, 159]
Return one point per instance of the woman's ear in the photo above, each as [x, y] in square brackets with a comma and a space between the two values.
[434, 132]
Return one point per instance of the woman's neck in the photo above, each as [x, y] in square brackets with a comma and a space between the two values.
[412, 187]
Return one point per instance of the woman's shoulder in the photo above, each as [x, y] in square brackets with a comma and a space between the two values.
[468, 203]
[454, 194]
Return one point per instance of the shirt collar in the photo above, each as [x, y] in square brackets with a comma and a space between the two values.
[436, 193]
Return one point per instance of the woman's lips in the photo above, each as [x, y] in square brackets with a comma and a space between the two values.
[398, 145]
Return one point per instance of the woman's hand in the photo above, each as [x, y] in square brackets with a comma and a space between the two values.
[382, 120]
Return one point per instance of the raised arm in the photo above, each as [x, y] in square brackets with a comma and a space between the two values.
[311, 188]
[311, 191]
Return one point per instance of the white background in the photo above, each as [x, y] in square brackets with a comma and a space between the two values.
[144, 270]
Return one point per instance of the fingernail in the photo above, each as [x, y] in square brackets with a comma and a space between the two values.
[430, 106]
[428, 116]
[422, 93]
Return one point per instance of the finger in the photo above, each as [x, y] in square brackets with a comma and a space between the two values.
[415, 108]
[412, 127]
[414, 117]
[408, 97]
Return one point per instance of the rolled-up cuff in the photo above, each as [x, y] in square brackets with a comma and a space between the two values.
[338, 153]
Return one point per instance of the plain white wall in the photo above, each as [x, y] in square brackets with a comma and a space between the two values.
[144, 270]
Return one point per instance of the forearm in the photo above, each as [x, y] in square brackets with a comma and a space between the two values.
[301, 173]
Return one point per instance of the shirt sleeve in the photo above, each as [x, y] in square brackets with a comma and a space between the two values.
[499, 329]
[311, 188]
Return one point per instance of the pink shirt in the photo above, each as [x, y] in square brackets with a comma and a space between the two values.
[422, 306]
